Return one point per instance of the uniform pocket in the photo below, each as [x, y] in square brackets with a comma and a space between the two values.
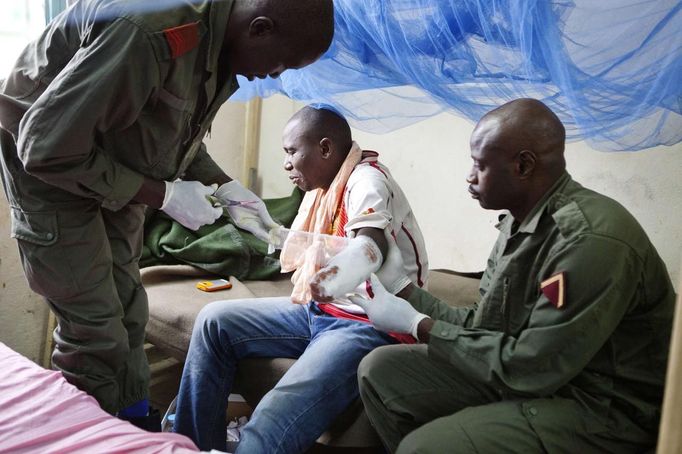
[38, 228]
[167, 129]
[43, 260]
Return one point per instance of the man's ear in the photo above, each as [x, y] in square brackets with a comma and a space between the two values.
[326, 148]
[261, 26]
[525, 164]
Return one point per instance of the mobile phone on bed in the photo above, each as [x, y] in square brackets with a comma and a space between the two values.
[212, 286]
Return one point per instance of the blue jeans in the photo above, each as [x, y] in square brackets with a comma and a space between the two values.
[316, 389]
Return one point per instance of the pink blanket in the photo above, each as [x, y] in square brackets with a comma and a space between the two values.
[41, 413]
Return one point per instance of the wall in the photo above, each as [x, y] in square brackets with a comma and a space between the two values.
[430, 160]
[23, 314]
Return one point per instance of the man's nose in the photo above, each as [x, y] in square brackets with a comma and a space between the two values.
[471, 177]
[287, 164]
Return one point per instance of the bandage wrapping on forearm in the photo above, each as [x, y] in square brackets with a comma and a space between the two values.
[348, 269]
[305, 253]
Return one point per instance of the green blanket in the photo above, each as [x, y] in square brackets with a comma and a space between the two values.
[222, 248]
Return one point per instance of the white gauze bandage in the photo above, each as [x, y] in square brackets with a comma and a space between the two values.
[346, 270]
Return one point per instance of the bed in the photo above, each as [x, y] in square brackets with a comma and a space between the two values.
[40, 412]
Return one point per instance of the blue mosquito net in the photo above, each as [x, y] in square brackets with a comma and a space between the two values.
[611, 69]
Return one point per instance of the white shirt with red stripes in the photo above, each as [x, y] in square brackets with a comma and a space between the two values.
[372, 198]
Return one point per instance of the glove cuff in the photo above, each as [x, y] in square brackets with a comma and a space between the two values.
[396, 286]
[167, 195]
[225, 188]
[415, 324]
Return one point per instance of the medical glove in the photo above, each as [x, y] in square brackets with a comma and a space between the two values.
[346, 270]
[246, 209]
[187, 202]
[392, 272]
[387, 312]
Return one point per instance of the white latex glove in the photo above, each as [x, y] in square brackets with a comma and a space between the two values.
[246, 209]
[187, 202]
[392, 272]
[346, 270]
[387, 312]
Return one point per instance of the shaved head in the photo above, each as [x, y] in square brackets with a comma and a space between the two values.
[322, 122]
[307, 23]
[518, 154]
[267, 37]
[527, 124]
[316, 142]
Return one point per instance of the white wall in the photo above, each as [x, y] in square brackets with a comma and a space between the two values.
[430, 160]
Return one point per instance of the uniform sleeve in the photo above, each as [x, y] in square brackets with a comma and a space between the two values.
[368, 200]
[203, 168]
[103, 88]
[601, 276]
[428, 304]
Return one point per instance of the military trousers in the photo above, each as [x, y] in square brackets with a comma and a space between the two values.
[420, 404]
[83, 260]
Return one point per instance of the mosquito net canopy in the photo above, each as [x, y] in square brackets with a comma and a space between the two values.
[611, 69]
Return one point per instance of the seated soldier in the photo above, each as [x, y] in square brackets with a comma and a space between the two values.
[349, 193]
[566, 350]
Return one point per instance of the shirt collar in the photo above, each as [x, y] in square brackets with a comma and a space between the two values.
[219, 16]
[531, 222]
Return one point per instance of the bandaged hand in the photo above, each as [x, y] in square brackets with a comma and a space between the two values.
[246, 209]
[187, 203]
[346, 270]
[392, 272]
[388, 312]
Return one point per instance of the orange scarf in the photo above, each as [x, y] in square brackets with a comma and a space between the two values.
[315, 215]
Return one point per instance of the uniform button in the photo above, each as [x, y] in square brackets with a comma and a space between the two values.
[49, 236]
[444, 333]
[533, 411]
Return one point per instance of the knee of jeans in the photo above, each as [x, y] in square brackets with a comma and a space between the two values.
[210, 320]
[208, 314]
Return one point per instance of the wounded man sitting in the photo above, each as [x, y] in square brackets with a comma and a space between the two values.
[349, 193]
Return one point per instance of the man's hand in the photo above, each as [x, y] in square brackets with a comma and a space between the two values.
[187, 202]
[246, 209]
[388, 312]
[346, 270]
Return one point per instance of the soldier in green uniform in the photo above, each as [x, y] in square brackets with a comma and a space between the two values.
[566, 349]
[105, 113]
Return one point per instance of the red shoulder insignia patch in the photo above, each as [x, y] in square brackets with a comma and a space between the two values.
[554, 289]
[182, 39]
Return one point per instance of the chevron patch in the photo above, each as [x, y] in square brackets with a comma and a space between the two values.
[182, 39]
[554, 289]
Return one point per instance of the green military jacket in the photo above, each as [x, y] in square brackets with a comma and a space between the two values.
[575, 302]
[116, 90]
